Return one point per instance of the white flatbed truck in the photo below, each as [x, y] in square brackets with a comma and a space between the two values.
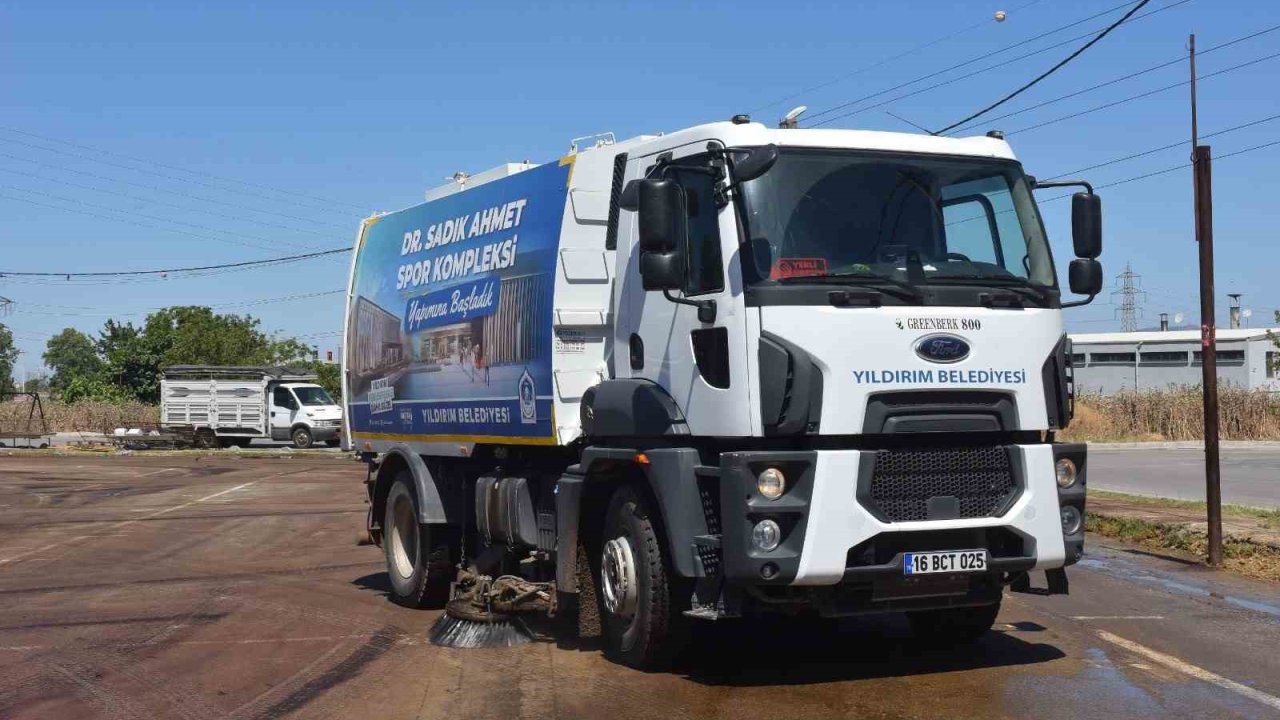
[720, 372]
[219, 405]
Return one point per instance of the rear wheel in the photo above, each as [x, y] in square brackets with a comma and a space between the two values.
[301, 438]
[418, 565]
[954, 625]
[205, 439]
[639, 607]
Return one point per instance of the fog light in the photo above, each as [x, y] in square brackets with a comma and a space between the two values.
[766, 535]
[1065, 469]
[1070, 520]
[771, 483]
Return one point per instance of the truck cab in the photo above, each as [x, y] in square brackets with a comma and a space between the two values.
[304, 414]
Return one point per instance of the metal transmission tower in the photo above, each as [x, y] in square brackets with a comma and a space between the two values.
[1129, 288]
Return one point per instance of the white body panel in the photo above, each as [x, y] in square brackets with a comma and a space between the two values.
[837, 522]
[215, 403]
[849, 343]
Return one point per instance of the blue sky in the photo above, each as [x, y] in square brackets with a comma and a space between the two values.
[322, 112]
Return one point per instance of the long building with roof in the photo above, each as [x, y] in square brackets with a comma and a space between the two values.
[1156, 360]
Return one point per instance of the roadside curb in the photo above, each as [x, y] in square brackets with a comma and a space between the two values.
[1184, 445]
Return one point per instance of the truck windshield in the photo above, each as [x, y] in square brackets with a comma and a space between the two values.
[313, 396]
[826, 212]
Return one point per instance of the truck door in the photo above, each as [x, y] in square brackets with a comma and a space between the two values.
[284, 409]
[701, 364]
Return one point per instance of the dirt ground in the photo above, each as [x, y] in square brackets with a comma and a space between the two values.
[212, 587]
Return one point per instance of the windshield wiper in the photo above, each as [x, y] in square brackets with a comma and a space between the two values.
[896, 287]
[1017, 284]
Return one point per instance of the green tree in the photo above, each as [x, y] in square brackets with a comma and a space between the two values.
[8, 356]
[329, 377]
[133, 357]
[130, 362]
[71, 354]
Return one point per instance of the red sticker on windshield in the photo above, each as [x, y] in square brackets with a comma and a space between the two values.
[798, 267]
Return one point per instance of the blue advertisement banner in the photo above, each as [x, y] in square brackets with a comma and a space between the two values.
[449, 307]
[450, 323]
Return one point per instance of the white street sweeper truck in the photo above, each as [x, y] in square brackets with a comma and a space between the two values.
[717, 373]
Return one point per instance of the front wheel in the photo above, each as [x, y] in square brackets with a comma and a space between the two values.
[949, 626]
[639, 605]
[419, 569]
[301, 438]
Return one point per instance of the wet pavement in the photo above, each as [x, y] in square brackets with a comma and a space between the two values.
[145, 587]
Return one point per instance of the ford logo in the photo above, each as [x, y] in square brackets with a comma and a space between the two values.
[942, 348]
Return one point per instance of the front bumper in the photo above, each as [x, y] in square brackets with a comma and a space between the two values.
[323, 433]
[832, 537]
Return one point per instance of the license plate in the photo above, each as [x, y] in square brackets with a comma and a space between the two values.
[949, 561]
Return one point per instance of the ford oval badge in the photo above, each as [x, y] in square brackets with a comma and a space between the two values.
[942, 348]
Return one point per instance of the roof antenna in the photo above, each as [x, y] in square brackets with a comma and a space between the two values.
[791, 120]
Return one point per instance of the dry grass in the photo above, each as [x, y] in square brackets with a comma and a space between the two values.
[1242, 556]
[77, 417]
[1174, 414]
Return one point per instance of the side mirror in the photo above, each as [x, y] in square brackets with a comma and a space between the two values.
[1085, 276]
[662, 270]
[1086, 225]
[757, 163]
[660, 218]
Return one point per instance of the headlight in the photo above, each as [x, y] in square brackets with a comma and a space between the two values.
[771, 483]
[766, 535]
[1065, 469]
[1070, 520]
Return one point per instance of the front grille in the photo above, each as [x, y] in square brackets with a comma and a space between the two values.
[903, 482]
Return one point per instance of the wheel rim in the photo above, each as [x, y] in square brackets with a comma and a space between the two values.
[404, 537]
[618, 577]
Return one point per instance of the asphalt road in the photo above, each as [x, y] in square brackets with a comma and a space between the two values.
[158, 587]
[1250, 473]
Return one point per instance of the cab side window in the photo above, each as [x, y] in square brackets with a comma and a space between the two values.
[703, 259]
[283, 398]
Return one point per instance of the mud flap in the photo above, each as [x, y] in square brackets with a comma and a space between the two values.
[1055, 583]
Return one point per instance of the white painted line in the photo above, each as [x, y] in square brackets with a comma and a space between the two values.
[157, 472]
[126, 523]
[1186, 668]
[1117, 617]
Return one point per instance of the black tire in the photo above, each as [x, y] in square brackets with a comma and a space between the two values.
[954, 626]
[419, 571]
[205, 439]
[301, 438]
[642, 633]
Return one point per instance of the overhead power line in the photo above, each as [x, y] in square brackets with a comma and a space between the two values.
[958, 78]
[1141, 95]
[76, 310]
[899, 56]
[1137, 73]
[177, 270]
[167, 176]
[1035, 81]
[146, 161]
[170, 191]
[220, 235]
[163, 203]
[1170, 146]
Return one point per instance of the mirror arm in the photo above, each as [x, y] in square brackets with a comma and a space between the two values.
[706, 308]
[1037, 184]
[1078, 303]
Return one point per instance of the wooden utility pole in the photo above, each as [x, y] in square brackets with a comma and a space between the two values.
[1203, 198]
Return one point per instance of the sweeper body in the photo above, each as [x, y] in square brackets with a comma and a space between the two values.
[726, 371]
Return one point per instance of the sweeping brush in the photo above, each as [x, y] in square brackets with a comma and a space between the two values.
[464, 626]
